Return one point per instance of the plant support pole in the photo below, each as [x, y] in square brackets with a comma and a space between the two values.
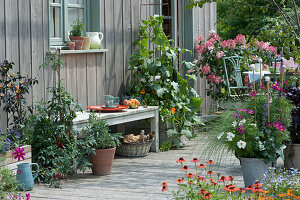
[253, 70]
[268, 97]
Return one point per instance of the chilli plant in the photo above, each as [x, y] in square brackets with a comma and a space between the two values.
[13, 89]
[156, 78]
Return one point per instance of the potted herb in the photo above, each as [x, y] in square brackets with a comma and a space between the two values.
[76, 34]
[292, 151]
[102, 143]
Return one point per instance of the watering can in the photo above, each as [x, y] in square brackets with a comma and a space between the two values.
[25, 177]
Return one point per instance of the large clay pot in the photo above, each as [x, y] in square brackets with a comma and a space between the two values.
[102, 161]
[292, 156]
[78, 42]
[253, 169]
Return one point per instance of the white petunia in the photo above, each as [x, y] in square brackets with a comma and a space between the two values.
[241, 144]
[253, 125]
[220, 135]
[234, 124]
[243, 121]
[261, 146]
[230, 136]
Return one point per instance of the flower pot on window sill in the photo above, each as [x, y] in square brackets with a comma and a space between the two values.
[71, 45]
[78, 42]
[86, 43]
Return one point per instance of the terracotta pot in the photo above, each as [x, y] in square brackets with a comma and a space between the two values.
[78, 42]
[292, 156]
[102, 161]
[71, 45]
[86, 43]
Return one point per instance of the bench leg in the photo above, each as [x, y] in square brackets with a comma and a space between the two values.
[155, 127]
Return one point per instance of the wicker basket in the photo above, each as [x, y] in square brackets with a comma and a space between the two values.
[137, 149]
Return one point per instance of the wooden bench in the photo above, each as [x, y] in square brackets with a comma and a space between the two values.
[121, 117]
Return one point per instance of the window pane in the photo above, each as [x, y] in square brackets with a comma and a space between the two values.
[54, 1]
[73, 14]
[166, 8]
[55, 22]
[75, 1]
[167, 26]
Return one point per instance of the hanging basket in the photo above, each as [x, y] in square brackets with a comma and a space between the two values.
[137, 149]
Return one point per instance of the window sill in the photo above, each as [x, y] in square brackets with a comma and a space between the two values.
[83, 51]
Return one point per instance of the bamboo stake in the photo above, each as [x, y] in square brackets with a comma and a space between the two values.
[260, 69]
[268, 97]
[253, 70]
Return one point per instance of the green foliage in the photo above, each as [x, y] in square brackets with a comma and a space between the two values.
[282, 37]
[157, 57]
[197, 3]
[77, 28]
[52, 60]
[250, 19]
[8, 183]
[54, 146]
[13, 89]
[97, 134]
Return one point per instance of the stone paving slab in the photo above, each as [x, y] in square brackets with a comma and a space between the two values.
[136, 178]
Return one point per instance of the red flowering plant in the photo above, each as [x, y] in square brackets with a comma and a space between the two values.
[209, 62]
[206, 184]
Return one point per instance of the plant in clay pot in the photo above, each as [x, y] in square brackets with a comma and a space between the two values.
[76, 34]
[100, 145]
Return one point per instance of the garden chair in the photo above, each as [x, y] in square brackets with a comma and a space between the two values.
[234, 72]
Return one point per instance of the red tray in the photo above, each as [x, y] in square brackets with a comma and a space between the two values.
[102, 108]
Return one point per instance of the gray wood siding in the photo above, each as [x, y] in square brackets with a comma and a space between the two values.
[24, 40]
[204, 20]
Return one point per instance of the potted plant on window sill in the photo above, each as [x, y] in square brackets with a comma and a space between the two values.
[76, 34]
[292, 151]
[102, 144]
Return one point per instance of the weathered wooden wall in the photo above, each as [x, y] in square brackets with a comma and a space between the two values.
[89, 76]
[24, 40]
[205, 19]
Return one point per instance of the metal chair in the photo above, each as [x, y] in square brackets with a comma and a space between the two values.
[236, 74]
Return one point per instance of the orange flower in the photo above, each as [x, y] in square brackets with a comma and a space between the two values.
[190, 175]
[257, 190]
[180, 160]
[143, 91]
[210, 172]
[201, 166]
[281, 195]
[179, 180]
[164, 186]
[185, 168]
[210, 162]
[195, 160]
[173, 110]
